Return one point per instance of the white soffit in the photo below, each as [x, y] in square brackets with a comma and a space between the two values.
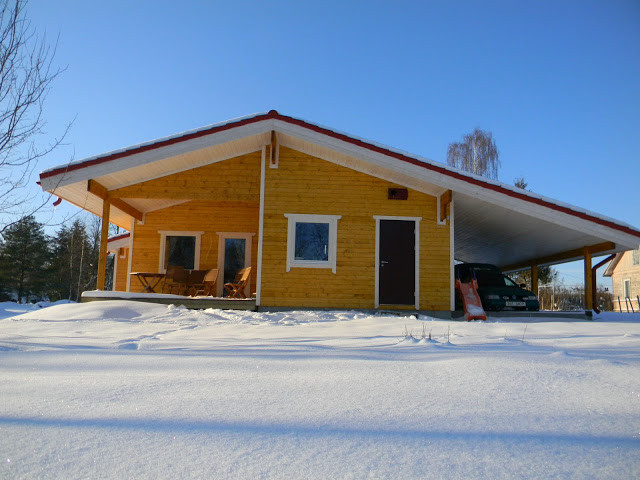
[406, 178]
[162, 161]
[489, 233]
[78, 195]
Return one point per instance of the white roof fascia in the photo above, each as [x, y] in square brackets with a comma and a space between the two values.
[360, 165]
[119, 243]
[385, 162]
[153, 155]
[461, 186]
[416, 174]
[151, 175]
[157, 140]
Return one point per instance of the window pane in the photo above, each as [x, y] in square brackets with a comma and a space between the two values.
[234, 249]
[181, 252]
[312, 241]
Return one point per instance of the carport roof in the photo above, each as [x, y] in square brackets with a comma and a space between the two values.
[493, 222]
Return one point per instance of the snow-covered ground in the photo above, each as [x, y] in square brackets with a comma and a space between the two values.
[123, 389]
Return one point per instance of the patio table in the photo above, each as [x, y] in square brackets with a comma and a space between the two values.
[149, 280]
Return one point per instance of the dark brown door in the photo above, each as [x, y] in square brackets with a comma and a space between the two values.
[397, 269]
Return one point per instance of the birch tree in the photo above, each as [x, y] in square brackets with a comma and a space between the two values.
[477, 153]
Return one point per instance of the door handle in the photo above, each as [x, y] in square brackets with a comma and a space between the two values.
[383, 263]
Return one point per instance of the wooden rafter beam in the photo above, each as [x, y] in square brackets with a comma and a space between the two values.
[101, 191]
[561, 257]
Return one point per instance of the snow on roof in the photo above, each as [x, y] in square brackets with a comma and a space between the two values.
[120, 236]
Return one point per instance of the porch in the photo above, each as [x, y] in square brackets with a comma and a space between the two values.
[193, 303]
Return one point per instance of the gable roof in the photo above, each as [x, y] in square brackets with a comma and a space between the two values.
[612, 265]
[492, 219]
[118, 241]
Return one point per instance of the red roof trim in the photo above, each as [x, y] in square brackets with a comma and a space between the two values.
[354, 141]
[118, 237]
[458, 176]
[153, 146]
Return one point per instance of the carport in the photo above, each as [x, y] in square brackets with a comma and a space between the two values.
[517, 230]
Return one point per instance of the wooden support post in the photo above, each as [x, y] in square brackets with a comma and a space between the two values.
[588, 283]
[104, 237]
[534, 278]
[445, 201]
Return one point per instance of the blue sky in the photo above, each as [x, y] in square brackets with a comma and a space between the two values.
[556, 82]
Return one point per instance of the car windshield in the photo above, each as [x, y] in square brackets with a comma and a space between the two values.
[493, 279]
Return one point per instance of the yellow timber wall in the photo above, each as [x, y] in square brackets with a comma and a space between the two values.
[122, 259]
[303, 184]
[224, 198]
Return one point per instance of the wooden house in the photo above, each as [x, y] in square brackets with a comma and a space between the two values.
[624, 270]
[324, 219]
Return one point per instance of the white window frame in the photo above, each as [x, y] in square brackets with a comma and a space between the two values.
[626, 290]
[294, 218]
[173, 233]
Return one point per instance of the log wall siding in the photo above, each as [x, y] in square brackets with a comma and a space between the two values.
[121, 272]
[194, 216]
[237, 179]
[307, 185]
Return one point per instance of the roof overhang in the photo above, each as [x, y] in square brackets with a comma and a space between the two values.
[118, 241]
[493, 222]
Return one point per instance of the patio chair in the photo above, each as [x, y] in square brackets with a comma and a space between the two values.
[236, 288]
[207, 286]
[178, 283]
[195, 277]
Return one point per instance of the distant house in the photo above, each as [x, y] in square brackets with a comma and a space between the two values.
[324, 219]
[624, 271]
[118, 245]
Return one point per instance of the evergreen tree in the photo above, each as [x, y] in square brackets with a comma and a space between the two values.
[24, 257]
[71, 270]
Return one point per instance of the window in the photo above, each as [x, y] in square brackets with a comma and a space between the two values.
[626, 289]
[312, 240]
[179, 249]
[635, 257]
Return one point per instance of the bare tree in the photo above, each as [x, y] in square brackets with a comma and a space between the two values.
[477, 153]
[26, 74]
[520, 182]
